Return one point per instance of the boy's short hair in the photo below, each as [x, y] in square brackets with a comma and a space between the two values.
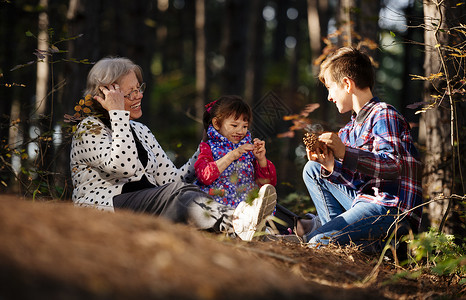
[349, 62]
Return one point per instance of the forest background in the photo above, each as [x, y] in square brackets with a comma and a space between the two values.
[266, 51]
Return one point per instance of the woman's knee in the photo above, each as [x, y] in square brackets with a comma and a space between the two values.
[311, 170]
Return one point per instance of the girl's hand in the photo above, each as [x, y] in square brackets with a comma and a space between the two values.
[113, 97]
[225, 161]
[238, 152]
[333, 141]
[259, 152]
[323, 156]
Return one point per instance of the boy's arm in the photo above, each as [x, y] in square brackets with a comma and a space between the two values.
[384, 161]
[388, 148]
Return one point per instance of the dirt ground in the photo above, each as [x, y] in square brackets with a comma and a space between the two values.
[58, 251]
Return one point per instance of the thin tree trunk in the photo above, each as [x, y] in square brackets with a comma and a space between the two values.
[368, 25]
[345, 22]
[313, 22]
[254, 70]
[83, 22]
[41, 128]
[234, 46]
[443, 140]
[318, 18]
[280, 32]
[42, 66]
[8, 134]
[200, 56]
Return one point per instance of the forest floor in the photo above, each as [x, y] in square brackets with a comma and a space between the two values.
[58, 251]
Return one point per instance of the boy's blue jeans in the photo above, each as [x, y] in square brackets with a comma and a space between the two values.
[364, 224]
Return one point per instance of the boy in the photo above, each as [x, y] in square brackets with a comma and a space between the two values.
[365, 181]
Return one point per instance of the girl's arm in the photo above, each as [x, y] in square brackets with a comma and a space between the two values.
[259, 152]
[263, 168]
[231, 156]
[205, 167]
[208, 170]
[267, 174]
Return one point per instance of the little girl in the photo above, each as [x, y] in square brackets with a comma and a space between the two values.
[231, 167]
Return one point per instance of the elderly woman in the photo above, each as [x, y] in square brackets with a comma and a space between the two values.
[116, 162]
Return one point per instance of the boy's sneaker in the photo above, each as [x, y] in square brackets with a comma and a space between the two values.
[249, 219]
[316, 223]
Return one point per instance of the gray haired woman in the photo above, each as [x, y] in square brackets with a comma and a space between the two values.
[117, 163]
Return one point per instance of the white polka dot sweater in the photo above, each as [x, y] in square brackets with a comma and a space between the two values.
[104, 159]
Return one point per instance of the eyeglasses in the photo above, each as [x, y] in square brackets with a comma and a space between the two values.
[133, 93]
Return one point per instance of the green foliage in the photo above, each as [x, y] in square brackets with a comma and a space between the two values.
[253, 194]
[438, 252]
[298, 202]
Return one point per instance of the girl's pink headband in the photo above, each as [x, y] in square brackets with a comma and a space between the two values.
[208, 106]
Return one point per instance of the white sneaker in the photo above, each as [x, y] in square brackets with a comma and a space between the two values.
[250, 219]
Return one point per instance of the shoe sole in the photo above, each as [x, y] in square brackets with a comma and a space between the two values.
[267, 200]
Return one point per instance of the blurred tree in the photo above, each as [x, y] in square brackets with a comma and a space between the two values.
[201, 73]
[255, 53]
[318, 19]
[83, 22]
[346, 20]
[445, 120]
[412, 63]
[280, 31]
[234, 45]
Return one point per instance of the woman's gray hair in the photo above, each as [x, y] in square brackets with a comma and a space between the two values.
[106, 71]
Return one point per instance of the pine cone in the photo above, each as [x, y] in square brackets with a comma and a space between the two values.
[311, 141]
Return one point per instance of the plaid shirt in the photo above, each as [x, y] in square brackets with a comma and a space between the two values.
[381, 162]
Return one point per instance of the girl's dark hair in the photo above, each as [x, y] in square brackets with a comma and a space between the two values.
[226, 106]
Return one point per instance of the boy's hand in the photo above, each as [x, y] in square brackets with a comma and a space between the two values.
[333, 141]
[259, 152]
[323, 156]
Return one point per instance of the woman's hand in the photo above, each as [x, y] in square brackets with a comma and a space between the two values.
[113, 97]
[259, 152]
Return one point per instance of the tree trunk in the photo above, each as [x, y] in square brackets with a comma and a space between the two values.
[138, 43]
[200, 59]
[367, 25]
[83, 20]
[40, 130]
[344, 23]
[234, 46]
[441, 157]
[42, 65]
[254, 70]
[318, 18]
[280, 32]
